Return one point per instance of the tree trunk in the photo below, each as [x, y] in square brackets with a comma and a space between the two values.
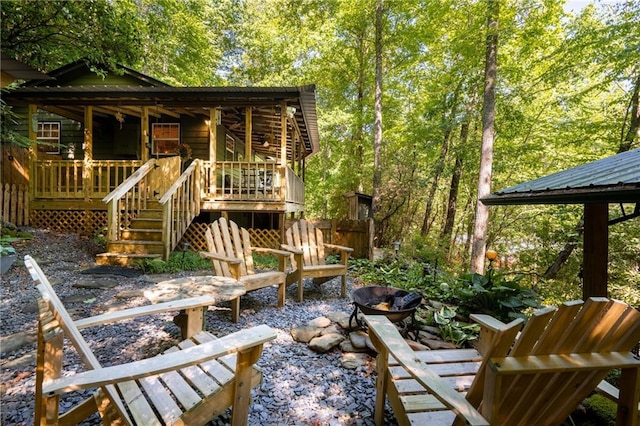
[447, 229]
[634, 122]
[439, 166]
[488, 121]
[377, 143]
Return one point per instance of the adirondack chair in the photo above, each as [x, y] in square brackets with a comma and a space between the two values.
[231, 253]
[304, 242]
[191, 383]
[535, 376]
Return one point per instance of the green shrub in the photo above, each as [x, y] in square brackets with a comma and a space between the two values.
[495, 295]
[178, 261]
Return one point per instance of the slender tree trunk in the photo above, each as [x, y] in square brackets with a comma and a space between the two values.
[488, 121]
[447, 228]
[377, 143]
[634, 120]
[439, 166]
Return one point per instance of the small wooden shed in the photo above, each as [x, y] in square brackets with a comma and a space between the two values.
[612, 180]
[359, 206]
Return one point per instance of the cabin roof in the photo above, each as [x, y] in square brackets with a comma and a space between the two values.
[64, 94]
[614, 179]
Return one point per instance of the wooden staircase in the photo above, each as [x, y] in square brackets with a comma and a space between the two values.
[142, 240]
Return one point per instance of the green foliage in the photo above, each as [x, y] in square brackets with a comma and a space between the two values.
[601, 410]
[494, 294]
[6, 250]
[178, 261]
[265, 261]
[452, 330]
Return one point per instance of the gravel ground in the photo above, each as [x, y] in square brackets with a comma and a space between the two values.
[300, 387]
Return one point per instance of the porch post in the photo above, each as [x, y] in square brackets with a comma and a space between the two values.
[596, 249]
[32, 119]
[248, 123]
[87, 170]
[144, 124]
[283, 135]
[214, 113]
[283, 151]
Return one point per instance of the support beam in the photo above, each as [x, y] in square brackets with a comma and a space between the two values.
[596, 248]
[283, 134]
[145, 140]
[32, 119]
[87, 169]
[248, 122]
[214, 114]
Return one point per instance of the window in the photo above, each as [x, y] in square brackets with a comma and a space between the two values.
[166, 138]
[49, 137]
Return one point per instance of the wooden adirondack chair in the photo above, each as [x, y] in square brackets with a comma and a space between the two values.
[305, 243]
[537, 377]
[231, 253]
[191, 383]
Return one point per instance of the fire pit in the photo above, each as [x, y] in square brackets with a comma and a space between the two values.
[394, 303]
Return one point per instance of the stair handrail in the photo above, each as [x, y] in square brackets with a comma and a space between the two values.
[180, 205]
[132, 192]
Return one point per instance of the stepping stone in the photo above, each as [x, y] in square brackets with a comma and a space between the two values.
[319, 322]
[325, 343]
[353, 361]
[305, 333]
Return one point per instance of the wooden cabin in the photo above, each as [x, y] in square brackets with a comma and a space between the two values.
[150, 162]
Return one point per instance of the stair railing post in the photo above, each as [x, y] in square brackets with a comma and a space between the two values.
[167, 228]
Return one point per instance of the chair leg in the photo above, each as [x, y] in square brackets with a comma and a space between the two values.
[300, 285]
[235, 309]
[344, 286]
[281, 293]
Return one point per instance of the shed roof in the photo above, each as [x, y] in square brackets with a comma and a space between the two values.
[614, 179]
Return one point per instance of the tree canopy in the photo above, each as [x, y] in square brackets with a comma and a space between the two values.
[566, 92]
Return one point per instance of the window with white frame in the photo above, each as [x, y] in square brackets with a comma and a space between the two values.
[49, 137]
[166, 138]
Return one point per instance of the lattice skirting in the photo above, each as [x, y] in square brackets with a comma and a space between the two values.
[83, 222]
[267, 238]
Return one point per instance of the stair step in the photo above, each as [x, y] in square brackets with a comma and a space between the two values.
[135, 247]
[150, 214]
[142, 234]
[146, 223]
[123, 259]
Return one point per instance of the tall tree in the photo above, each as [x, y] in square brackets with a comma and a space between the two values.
[488, 122]
[377, 140]
[49, 34]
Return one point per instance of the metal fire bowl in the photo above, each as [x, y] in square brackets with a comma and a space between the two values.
[364, 295]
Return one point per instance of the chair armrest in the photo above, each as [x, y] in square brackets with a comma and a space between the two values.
[291, 249]
[272, 251]
[387, 335]
[487, 321]
[177, 305]
[337, 247]
[216, 256]
[563, 363]
[232, 343]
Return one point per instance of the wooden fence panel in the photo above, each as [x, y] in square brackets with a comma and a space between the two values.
[14, 200]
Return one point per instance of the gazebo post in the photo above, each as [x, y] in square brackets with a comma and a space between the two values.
[596, 248]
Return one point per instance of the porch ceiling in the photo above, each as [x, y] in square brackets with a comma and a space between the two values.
[69, 101]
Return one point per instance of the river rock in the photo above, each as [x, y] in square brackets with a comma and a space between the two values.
[347, 346]
[353, 360]
[325, 343]
[358, 339]
[305, 333]
[321, 322]
[438, 344]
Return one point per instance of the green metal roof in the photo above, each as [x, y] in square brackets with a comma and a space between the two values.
[613, 179]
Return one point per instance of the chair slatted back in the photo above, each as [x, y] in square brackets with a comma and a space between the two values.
[225, 238]
[53, 306]
[305, 236]
[599, 325]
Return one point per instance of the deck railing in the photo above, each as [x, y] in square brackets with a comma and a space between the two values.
[228, 180]
[180, 205]
[77, 179]
[250, 181]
